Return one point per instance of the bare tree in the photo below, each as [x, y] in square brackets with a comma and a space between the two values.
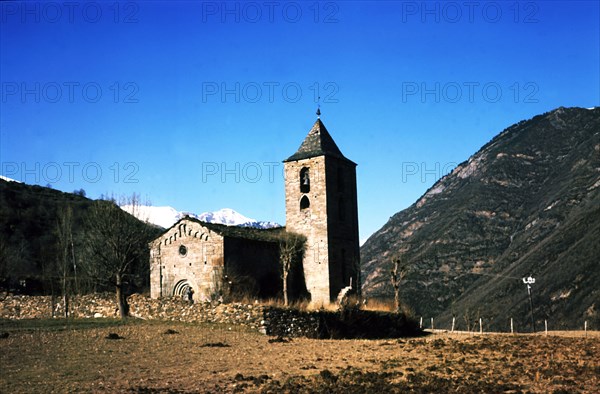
[291, 250]
[6, 255]
[398, 273]
[64, 238]
[116, 244]
[15, 261]
[5, 258]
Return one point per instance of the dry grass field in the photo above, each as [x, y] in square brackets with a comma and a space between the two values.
[164, 357]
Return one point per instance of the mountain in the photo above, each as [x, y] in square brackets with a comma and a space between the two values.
[7, 179]
[29, 216]
[526, 204]
[28, 220]
[225, 216]
[161, 216]
[167, 216]
[232, 218]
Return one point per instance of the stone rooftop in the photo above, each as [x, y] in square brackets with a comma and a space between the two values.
[318, 142]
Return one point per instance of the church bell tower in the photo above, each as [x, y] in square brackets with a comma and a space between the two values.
[321, 204]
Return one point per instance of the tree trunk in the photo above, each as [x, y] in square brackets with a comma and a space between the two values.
[285, 288]
[65, 294]
[121, 298]
[397, 275]
[66, 304]
[53, 303]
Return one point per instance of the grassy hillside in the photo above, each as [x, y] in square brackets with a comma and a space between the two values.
[28, 237]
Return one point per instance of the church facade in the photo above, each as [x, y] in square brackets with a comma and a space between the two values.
[214, 261]
[321, 204]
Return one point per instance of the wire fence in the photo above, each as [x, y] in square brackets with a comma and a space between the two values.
[479, 329]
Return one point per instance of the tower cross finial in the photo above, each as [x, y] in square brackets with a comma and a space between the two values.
[319, 108]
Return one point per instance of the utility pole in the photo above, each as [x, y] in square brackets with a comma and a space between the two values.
[529, 281]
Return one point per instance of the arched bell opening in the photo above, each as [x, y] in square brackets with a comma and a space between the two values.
[304, 203]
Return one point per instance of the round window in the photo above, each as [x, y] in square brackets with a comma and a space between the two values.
[182, 250]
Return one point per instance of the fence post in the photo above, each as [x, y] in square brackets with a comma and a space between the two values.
[585, 328]
[453, 318]
[480, 327]
[546, 327]
[421, 323]
[432, 325]
[512, 330]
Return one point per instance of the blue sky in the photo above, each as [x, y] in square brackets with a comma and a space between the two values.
[195, 104]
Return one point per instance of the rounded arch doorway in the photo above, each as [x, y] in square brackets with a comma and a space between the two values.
[182, 288]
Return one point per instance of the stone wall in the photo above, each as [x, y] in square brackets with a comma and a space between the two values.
[291, 323]
[186, 255]
[351, 323]
[310, 222]
[252, 267]
[104, 305]
[342, 223]
[270, 320]
[330, 223]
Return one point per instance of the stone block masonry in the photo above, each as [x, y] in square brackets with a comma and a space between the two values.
[311, 221]
[212, 261]
[187, 255]
[142, 307]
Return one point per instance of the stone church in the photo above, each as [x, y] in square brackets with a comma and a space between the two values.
[321, 204]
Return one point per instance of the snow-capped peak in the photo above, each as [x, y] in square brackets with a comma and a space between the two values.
[160, 216]
[167, 216]
[225, 216]
[232, 218]
[7, 179]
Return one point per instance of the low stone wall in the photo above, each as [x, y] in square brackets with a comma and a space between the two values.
[269, 320]
[351, 323]
[291, 323]
[104, 305]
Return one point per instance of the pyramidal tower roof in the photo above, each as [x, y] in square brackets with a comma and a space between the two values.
[318, 142]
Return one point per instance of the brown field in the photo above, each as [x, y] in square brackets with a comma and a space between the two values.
[154, 357]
